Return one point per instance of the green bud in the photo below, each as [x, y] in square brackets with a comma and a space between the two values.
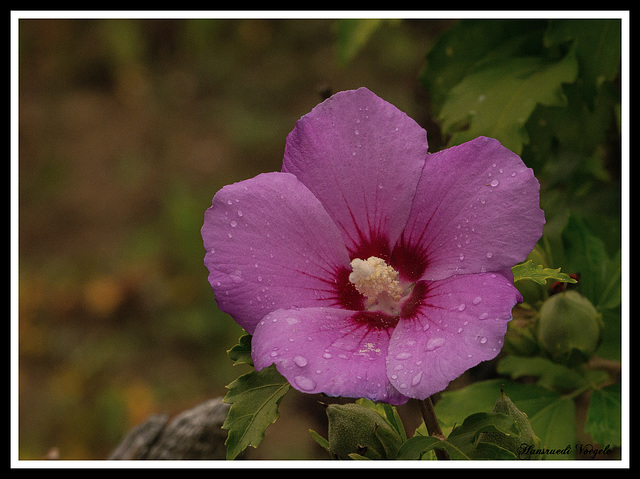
[515, 444]
[356, 429]
[569, 328]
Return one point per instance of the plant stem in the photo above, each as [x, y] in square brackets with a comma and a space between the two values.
[433, 427]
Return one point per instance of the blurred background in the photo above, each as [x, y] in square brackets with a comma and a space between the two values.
[127, 128]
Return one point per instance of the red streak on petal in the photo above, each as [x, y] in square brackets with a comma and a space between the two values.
[376, 245]
[410, 261]
[413, 303]
[346, 294]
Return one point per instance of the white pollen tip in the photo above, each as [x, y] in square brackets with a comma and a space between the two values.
[375, 279]
[361, 270]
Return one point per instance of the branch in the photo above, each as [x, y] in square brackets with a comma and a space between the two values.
[433, 427]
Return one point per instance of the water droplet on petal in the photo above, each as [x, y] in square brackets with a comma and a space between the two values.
[461, 307]
[305, 383]
[240, 213]
[300, 361]
[484, 316]
[494, 183]
[416, 379]
[434, 343]
[477, 300]
[234, 223]
[483, 340]
[403, 355]
[489, 254]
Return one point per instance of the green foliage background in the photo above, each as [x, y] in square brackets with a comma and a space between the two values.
[128, 128]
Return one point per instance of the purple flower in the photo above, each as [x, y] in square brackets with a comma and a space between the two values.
[367, 267]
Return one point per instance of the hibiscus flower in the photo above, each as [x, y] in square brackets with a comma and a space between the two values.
[368, 267]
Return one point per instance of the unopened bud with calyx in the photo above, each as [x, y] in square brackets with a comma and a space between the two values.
[526, 441]
[569, 328]
[355, 429]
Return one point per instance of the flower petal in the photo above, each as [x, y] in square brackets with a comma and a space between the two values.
[476, 209]
[270, 244]
[362, 157]
[324, 350]
[462, 322]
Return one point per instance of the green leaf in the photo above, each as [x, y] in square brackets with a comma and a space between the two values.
[486, 450]
[550, 375]
[414, 447]
[600, 277]
[361, 429]
[555, 425]
[536, 402]
[535, 272]
[322, 442]
[241, 352]
[462, 442]
[352, 35]
[604, 416]
[598, 44]
[551, 414]
[497, 100]
[387, 411]
[254, 399]
[470, 44]
[358, 457]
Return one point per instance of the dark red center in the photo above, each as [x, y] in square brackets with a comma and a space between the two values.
[408, 260]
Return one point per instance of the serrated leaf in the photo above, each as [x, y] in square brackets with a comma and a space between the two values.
[535, 272]
[254, 399]
[550, 375]
[470, 44]
[555, 425]
[598, 44]
[551, 414]
[480, 396]
[464, 438]
[497, 100]
[600, 277]
[604, 416]
[462, 442]
[241, 352]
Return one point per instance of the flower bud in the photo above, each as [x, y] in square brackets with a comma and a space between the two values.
[356, 429]
[515, 444]
[569, 328]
